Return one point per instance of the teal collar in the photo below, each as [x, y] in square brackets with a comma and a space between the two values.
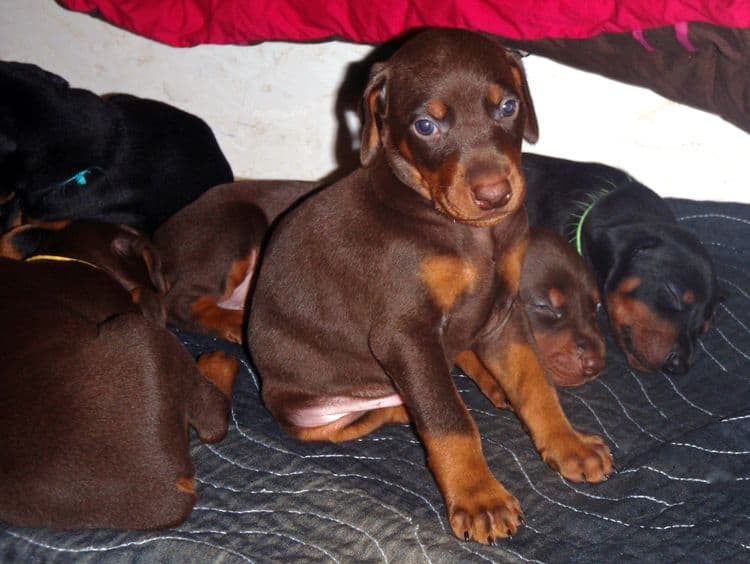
[80, 176]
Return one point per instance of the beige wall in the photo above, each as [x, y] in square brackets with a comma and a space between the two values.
[271, 105]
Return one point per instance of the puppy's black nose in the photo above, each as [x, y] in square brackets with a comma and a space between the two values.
[492, 192]
[675, 364]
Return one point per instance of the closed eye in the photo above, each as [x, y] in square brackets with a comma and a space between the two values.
[670, 298]
[548, 311]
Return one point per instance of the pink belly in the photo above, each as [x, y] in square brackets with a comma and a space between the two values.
[334, 408]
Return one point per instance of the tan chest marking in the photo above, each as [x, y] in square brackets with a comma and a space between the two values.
[448, 278]
[512, 264]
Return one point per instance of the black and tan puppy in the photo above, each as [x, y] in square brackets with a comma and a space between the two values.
[96, 398]
[658, 282]
[67, 153]
[370, 288]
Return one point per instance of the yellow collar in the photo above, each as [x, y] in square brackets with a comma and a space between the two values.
[62, 259]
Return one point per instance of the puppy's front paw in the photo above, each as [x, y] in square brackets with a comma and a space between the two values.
[578, 457]
[485, 512]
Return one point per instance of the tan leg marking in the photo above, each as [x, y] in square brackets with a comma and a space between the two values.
[470, 364]
[186, 484]
[221, 369]
[577, 456]
[479, 507]
[226, 323]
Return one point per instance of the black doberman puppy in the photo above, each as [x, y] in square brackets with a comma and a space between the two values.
[67, 153]
[657, 280]
[370, 288]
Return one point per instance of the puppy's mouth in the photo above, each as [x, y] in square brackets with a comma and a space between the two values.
[479, 214]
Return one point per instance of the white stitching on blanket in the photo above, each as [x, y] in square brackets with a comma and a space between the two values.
[687, 401]
[582, 511]
[712, 357]
[735, 286]
[329, 473]
[591, 409]
[725, 308]
[645, 394]
[712, 451]
[124, 545]
[355, 493]
[246, 364]
[263, 532]
[294, 512]
[663, 473]
[625, 412]
[434, 510]
[730, 343]
[713, 215]
[619, 499]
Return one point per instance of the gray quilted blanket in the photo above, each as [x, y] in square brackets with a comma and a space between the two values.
[681, 445]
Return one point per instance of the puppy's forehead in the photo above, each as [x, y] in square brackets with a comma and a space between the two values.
[445, 59]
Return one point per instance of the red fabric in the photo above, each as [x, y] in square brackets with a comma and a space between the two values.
[191, 22]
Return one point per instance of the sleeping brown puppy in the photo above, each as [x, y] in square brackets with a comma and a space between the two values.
[561, 300]
[96, 396]
[370, 288]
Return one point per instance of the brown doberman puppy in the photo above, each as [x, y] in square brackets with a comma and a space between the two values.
[210, 251]
[96, 398]
[370, 288]
[561, 299]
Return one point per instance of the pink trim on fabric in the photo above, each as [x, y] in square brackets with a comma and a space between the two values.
[640, 38]
[681, 32]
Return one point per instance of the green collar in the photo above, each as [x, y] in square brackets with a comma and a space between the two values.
[579, 217]
[579, 227]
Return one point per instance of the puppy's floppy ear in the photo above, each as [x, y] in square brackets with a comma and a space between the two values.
[374, 107]
[134, 244]
[531, 127]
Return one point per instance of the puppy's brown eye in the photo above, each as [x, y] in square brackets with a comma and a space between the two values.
[425, 127]
[508, 107]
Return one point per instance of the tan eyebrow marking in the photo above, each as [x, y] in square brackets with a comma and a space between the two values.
[495, 94]
[437, 109]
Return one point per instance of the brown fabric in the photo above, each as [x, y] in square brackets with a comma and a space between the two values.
[715, 77]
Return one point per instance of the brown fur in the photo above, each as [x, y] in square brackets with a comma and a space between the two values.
[96, 398]
[209, 247]
[342, 307]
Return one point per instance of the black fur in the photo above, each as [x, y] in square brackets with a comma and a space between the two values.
[145, 159]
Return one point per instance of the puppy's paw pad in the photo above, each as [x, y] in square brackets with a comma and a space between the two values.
[579, 457]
